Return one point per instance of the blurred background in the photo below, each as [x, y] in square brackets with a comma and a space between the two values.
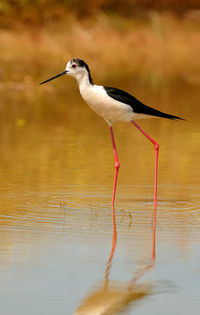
[149, 48]
[154, 41]
[57, 164]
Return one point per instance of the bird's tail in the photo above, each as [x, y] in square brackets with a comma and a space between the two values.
[157, 113]
[168, 116]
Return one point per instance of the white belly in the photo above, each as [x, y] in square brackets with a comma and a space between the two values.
[111, 110]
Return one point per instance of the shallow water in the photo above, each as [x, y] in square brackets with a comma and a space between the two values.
[57, 171]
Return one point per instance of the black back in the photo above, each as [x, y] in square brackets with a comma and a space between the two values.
[137, 106]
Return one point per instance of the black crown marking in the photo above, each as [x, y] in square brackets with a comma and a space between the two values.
[81, 63]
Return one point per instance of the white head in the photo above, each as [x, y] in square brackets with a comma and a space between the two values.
[78, 69]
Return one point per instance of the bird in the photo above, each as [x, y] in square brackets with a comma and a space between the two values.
[114, 104]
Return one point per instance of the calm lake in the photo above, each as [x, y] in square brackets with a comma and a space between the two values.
[57, 172]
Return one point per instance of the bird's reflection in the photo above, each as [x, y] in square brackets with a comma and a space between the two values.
[112, 297]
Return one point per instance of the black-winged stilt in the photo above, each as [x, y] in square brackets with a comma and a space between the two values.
[113, 105]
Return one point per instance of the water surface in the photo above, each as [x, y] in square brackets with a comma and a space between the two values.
[57, 169]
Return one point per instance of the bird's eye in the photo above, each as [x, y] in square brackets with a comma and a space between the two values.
[73, 66]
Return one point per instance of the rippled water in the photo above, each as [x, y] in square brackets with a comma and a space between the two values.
[57, 171]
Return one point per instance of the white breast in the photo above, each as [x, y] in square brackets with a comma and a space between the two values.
[104, 105]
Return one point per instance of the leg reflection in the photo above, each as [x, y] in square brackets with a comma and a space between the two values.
[109, 263]
[140, 272]
[111, 297]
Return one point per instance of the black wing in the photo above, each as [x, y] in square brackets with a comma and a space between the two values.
[137, 106]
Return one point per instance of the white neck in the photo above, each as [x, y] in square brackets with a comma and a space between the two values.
[83, 80]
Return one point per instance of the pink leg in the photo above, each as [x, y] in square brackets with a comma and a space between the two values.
[156, 146]
[116, 175]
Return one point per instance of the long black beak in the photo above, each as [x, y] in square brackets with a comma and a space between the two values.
[56, 76]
